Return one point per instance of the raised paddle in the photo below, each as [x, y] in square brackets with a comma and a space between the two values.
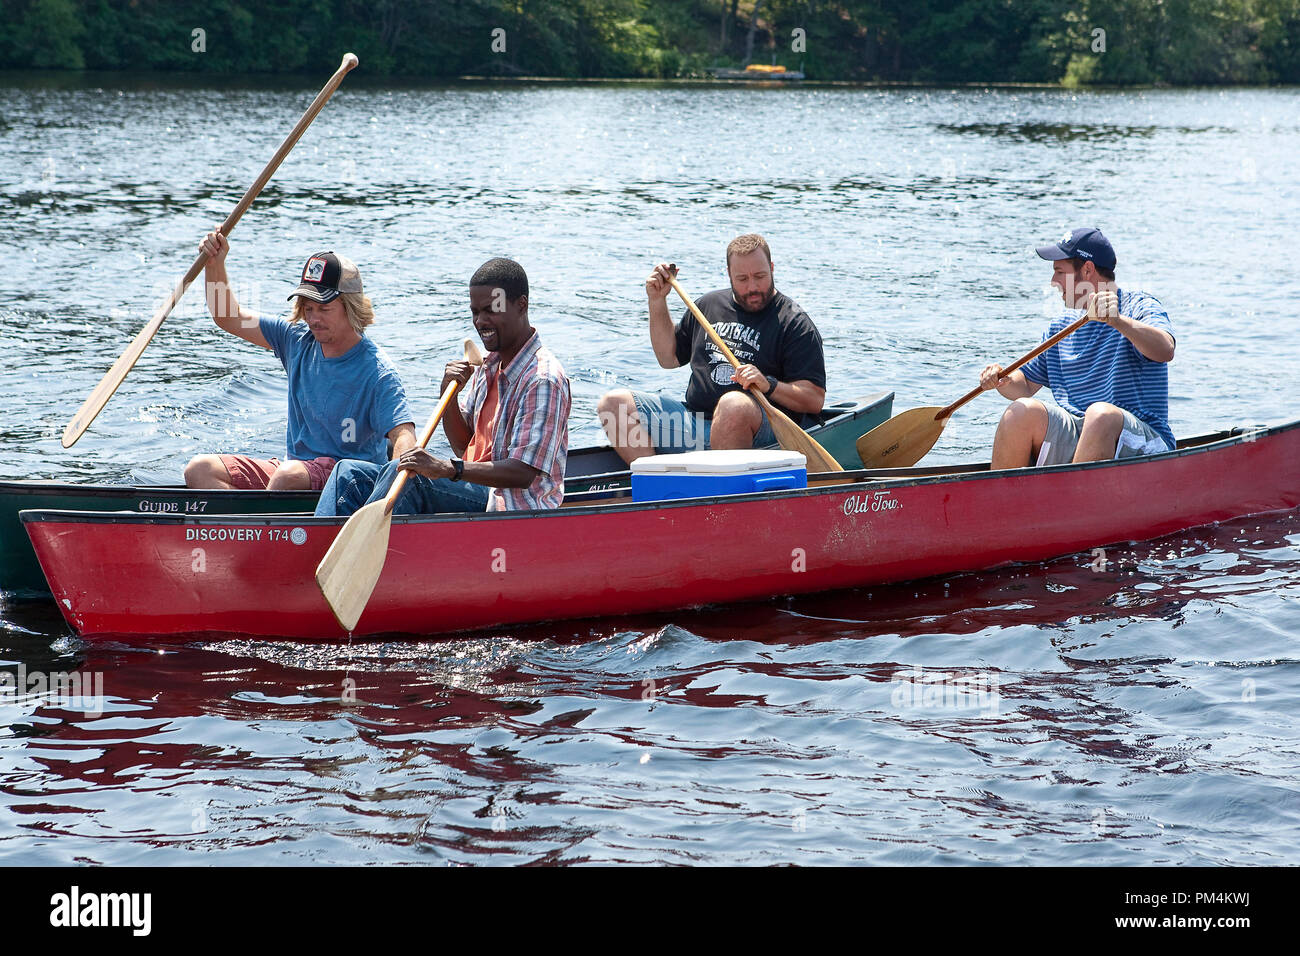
[348, 573]
[789, 435]
[93, 405]
[905, 439]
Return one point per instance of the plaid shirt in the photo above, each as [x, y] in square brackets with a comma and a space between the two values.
[532, 422]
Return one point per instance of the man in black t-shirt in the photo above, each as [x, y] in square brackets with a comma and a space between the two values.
[779, 348]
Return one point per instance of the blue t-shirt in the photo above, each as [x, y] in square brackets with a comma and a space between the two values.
[1098, 364]
[340, 407]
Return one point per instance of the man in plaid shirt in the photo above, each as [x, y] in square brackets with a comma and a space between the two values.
[509, 432]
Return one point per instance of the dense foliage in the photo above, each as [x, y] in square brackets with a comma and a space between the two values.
[1070, 41]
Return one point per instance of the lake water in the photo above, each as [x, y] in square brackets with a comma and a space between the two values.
[1144, 712]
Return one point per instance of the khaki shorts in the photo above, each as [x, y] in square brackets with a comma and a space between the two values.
[1063, 429]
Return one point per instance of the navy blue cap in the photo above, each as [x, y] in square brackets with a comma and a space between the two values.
[1087, 244]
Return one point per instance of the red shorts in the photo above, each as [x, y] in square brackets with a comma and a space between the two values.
[252, 474]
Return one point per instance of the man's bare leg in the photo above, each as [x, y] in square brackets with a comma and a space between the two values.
[1020, 434]
[1102, 425]
[736, 420]
[207, 472]
[290, 476]
[623, 426]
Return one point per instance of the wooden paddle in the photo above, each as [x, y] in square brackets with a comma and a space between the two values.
[113, 378]
[789, 435]
[348, 573]
[905, 439]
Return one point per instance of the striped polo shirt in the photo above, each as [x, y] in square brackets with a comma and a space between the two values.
[532, 422]
[1098, 364]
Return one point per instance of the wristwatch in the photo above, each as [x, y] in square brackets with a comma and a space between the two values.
[771, 385]
[458, 468]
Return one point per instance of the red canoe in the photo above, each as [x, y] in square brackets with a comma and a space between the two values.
[119, 574]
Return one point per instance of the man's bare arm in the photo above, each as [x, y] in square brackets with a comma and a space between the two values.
[225, 308]
[663, 331]
[506, 473]
[401, 438]
[1155, 344]
[798, 396]
[1011, 386]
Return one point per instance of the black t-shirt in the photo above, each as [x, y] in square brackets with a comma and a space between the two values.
[780, 340]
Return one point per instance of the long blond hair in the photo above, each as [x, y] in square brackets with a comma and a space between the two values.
[356, 304]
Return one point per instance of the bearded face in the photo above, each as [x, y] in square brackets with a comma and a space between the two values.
[751, 280]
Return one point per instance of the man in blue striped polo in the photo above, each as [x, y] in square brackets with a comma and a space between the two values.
[1110, 379]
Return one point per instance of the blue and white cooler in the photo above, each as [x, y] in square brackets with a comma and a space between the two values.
[705, 474]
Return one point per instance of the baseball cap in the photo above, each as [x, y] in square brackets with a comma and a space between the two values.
[1087, 244]
[325, 275]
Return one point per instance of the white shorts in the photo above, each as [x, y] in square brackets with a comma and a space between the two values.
[1063, 429]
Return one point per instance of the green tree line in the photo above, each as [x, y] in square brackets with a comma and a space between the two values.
[1051, 41]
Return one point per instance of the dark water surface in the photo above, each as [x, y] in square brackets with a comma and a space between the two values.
[1137, 707]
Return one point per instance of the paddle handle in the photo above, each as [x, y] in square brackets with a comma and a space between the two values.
[95, 403]
[980, 389]
[474, 357]
[348, 63]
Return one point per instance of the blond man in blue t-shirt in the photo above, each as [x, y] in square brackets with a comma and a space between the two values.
[345, 398]
[1110, 379]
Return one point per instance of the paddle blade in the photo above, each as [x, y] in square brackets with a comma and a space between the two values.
[348, 573]
[93, 405]
[903, 440]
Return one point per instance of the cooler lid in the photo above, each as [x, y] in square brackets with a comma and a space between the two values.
[729, 462]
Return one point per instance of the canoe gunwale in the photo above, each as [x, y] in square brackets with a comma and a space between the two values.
[42, 487]
[619, 500]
